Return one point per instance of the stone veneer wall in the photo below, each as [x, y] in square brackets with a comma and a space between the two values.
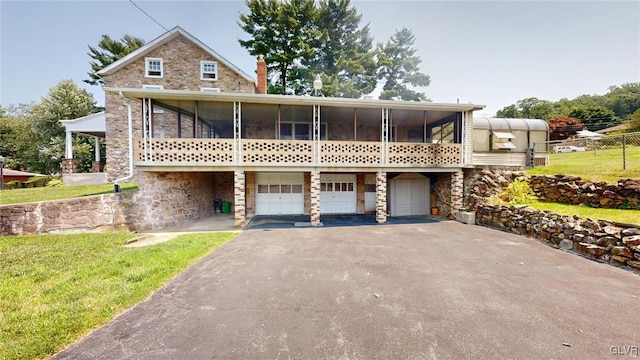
[172, 198]
[616, 244]
[104, 213]
[181, 71]
[573, 190]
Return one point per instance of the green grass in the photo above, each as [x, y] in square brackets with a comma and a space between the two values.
[18, 196]
[606, 165]
[54, 289]
[619, 215]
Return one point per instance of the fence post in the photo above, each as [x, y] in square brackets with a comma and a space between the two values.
[624, 152]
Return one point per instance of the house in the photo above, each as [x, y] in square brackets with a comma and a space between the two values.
[510, 142]
[9, 175]
[193, 128]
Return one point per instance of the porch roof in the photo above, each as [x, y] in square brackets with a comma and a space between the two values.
[93, 124]
[189, 95]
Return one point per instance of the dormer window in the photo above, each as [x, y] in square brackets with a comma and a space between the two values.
[208, 70]
[153, 67]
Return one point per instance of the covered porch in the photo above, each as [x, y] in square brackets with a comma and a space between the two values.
[90, 125]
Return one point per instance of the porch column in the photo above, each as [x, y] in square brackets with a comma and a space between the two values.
[239, 198]
[96, 166]
[381, 197]
[457, 195]
[315, 198]
[69, 165]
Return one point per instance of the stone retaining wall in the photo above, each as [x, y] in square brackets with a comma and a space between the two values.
[609, 242]
[104, 213]
[572, 190]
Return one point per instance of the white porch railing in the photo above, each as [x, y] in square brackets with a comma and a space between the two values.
[266, 152]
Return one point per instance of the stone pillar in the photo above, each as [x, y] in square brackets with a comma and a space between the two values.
[97, 166]
[315, 198]
[250, 193]
[69, 166]
[381, 197]
[457, 192]
[239, 198]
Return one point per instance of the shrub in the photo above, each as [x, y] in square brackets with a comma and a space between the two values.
[55, 183]
[518, 192]
[15, 184]
[37, 181]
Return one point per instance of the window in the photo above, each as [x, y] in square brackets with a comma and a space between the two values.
[208, 70]
[502, 140]
[210, 89]
[300, 131]
[153, 67]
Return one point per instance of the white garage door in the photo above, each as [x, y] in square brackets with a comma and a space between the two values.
[280, 193]
[337, 194]
[410, 197]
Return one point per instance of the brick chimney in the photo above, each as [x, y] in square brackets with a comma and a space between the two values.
[262, 75]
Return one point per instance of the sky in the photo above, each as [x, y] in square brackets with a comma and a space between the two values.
[483, 52]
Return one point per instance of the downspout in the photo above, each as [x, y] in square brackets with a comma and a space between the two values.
[116, 187]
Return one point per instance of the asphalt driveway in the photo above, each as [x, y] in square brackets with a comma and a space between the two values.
[441, 290]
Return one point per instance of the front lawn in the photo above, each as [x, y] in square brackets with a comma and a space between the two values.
[617, 215]
[54, 289]
[605, 165]
[18, 196]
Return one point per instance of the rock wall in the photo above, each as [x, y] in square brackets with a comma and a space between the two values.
[103, 213]
[572, 190]
[605, 241]
[164, 199]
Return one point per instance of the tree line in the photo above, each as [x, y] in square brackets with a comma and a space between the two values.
[621, 104]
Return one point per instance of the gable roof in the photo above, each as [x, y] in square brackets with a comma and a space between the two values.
[94, 124]
[153, 44]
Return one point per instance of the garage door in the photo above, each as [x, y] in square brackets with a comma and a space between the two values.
[280, 193]
[409, 197]
[337, 194]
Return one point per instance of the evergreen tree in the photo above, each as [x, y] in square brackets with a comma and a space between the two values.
[108, 52]
[398, 67]
[283, 32]
[344, 53]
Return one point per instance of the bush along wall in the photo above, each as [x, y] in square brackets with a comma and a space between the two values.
[572, 190]
[605, 241]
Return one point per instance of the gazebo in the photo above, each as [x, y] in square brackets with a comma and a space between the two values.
[91, 125]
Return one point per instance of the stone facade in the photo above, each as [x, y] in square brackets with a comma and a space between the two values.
[573, 190]
[616, 244]
[250, 194]
[239, 198]
[457, 192]
[315, 198]
[172, 198]
[381, 197]
[181, 71]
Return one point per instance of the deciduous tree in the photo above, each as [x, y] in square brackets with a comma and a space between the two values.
[562, 127]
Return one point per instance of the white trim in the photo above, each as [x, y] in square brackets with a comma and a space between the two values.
[204, 63]
[161, 40]
[153, 87]
[146, 68]
[210, 89]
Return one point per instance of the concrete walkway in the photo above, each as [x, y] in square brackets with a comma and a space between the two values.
[214, 223]
[440, 290]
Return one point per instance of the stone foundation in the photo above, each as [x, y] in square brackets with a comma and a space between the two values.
[97, 166]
